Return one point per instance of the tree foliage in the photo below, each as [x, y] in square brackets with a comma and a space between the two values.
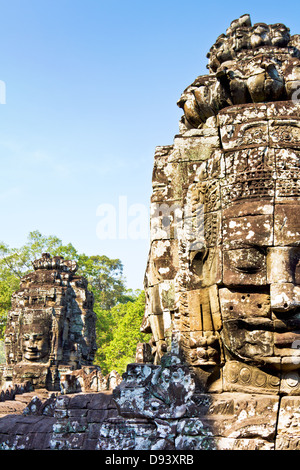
[119, 329]
[119, 311]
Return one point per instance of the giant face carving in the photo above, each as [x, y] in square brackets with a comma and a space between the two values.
[35, 332]
[259, 293]
[260, 296]
[235, 297]
[35, 343]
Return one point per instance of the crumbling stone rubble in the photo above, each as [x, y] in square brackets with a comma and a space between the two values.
[149, 412]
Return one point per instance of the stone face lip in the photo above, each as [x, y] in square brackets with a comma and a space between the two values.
[288, 338]
[291, 333]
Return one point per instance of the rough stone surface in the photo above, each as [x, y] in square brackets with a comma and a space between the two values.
[248, 64]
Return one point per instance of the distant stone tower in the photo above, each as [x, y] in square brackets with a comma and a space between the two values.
[51, 326]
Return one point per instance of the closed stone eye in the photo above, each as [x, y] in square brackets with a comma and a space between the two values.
[247, 260]
[248, 269]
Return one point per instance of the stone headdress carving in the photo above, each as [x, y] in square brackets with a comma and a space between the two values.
[248, 64]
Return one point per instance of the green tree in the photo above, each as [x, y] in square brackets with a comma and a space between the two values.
[18, 261]
[122, 333]
[105, 278]
[8, 285]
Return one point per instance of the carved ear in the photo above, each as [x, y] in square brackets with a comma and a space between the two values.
[197, 259]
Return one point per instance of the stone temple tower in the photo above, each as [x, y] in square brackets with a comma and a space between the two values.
[223, 274]
[51, 326]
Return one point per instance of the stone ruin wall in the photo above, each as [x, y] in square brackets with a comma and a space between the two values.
[222, 281]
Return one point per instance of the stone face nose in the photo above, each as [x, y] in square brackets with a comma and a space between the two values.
[284, 287]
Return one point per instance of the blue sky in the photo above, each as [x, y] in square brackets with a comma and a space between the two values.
[91, 90]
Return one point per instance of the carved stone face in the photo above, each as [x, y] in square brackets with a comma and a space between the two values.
[260, 35]
[35, 342]
[221, 49]
[241, 39]
[260, 300]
